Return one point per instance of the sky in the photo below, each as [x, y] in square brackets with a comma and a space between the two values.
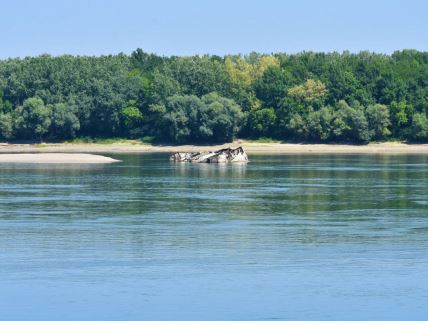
[187, 27]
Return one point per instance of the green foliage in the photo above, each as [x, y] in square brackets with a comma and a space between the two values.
[6, 126]
[343, 84]
[262, 122]
[33, 118]
[132, 118]
[378, 119]
[180, 120]
[315, 126]
[322, 97]
[220, 120]
[264, 140]
[320, 124]
[65, 123]
[272, 86]
[298, 127]
[419, 128]
[105, 141]
[311, 92]
[401, 113]
[148, 140]
[210, 119]
[162, 87]
[350, 124]
[5, 106]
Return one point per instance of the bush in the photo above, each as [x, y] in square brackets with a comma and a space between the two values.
[350, 124]
[419, 128]
[6, 126]
[262, 122]
[378, 120]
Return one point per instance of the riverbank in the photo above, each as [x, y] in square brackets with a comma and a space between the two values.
[250, 148]
[56, 158]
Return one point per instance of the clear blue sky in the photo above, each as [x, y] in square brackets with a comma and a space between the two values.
[184, 27]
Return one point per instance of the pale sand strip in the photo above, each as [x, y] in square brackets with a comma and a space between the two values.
[250, 148]
[55, 158]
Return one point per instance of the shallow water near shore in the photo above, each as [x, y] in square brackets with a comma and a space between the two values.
[284, 237]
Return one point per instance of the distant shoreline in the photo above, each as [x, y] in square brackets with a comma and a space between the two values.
[250, 148]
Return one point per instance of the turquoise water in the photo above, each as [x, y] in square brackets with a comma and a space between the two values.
[281, 238]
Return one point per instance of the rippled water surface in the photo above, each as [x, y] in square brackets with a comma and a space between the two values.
[281, 238]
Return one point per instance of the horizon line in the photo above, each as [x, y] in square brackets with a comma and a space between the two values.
[345, 51]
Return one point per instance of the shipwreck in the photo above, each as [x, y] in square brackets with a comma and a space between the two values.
[226, 155]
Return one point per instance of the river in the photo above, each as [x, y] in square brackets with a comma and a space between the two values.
[313, 237]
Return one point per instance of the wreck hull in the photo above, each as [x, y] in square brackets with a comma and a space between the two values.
[227, 155]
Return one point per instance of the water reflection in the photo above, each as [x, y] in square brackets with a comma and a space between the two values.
[220, 170]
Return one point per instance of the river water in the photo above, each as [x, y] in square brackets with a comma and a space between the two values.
[281, 238]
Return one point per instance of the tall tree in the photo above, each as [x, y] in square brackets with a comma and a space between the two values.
[378, 120]
[33, 118]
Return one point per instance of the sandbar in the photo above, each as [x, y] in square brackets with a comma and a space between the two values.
[56, 158]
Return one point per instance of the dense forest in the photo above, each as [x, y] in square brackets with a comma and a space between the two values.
[313, 97]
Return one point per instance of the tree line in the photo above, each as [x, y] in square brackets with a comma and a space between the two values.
[313, 97]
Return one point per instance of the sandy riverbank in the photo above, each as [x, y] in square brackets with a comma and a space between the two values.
[55, 158]
[250, 147]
